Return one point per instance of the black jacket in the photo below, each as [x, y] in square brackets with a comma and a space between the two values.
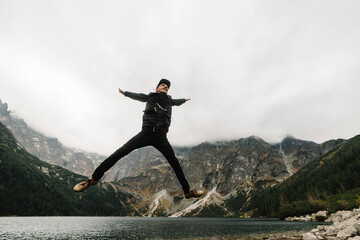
[158, 108]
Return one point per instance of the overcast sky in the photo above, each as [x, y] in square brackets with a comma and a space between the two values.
[264, 68]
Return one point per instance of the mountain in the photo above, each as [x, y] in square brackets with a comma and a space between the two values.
[229, 172]
[29, 186]
[48, 149]
[330, 182]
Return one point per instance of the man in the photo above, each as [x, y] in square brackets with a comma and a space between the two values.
[156, 122]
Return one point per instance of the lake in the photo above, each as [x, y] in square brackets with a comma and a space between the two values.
[139, 227]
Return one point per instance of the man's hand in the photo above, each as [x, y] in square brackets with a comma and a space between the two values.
[187, 99]
[122, 92]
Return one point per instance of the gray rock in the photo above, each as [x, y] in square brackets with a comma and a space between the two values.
[314, 231]
[332, 238]
[341, 215]
[357, 226]
[355, 238]
[350, 231]
[332, 230]
[320, 213]
[309, 236]
[346, 215]
[322, 228]
[356, 211]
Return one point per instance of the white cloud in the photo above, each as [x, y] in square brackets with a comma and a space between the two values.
[266, 68]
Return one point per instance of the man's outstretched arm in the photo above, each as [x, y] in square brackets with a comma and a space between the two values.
[178, 102]
[136, 96]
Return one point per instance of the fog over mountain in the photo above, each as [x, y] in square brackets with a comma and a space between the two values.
[263, 68]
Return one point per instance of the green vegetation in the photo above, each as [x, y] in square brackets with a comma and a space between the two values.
[236, 203]
[320, 218]
[29, 186]
[346, 201]
[299, 208]
[331, 182]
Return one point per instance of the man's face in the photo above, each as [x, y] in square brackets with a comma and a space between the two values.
[162, 88]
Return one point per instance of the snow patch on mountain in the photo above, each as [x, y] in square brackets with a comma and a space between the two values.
[156, 203]
[211, 197]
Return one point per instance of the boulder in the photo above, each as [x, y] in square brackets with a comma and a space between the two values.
[309, 236]
[349, 231]
[341, 216]
[322, 228]
[356, 211]
[320, 213]
[355, 238]
[332, 230]
[314, 231]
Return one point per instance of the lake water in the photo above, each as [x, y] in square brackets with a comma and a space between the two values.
[139, 227]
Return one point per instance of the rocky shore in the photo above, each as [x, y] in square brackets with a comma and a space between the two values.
[315, 217]
[345, 225]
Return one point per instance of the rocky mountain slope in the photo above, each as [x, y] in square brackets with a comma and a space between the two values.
[330, 182]
[29, 186]
[227, 171]
[48, 149]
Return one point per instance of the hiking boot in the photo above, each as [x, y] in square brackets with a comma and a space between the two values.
[81, 186]
[194, 193]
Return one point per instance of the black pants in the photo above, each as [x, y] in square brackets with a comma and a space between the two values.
[145, 138]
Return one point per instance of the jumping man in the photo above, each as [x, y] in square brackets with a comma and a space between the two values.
[156, 122]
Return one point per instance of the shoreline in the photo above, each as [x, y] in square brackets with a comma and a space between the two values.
[293, 234]
[342, 225]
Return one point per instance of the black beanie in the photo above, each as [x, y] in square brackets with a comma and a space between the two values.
[165, 81]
